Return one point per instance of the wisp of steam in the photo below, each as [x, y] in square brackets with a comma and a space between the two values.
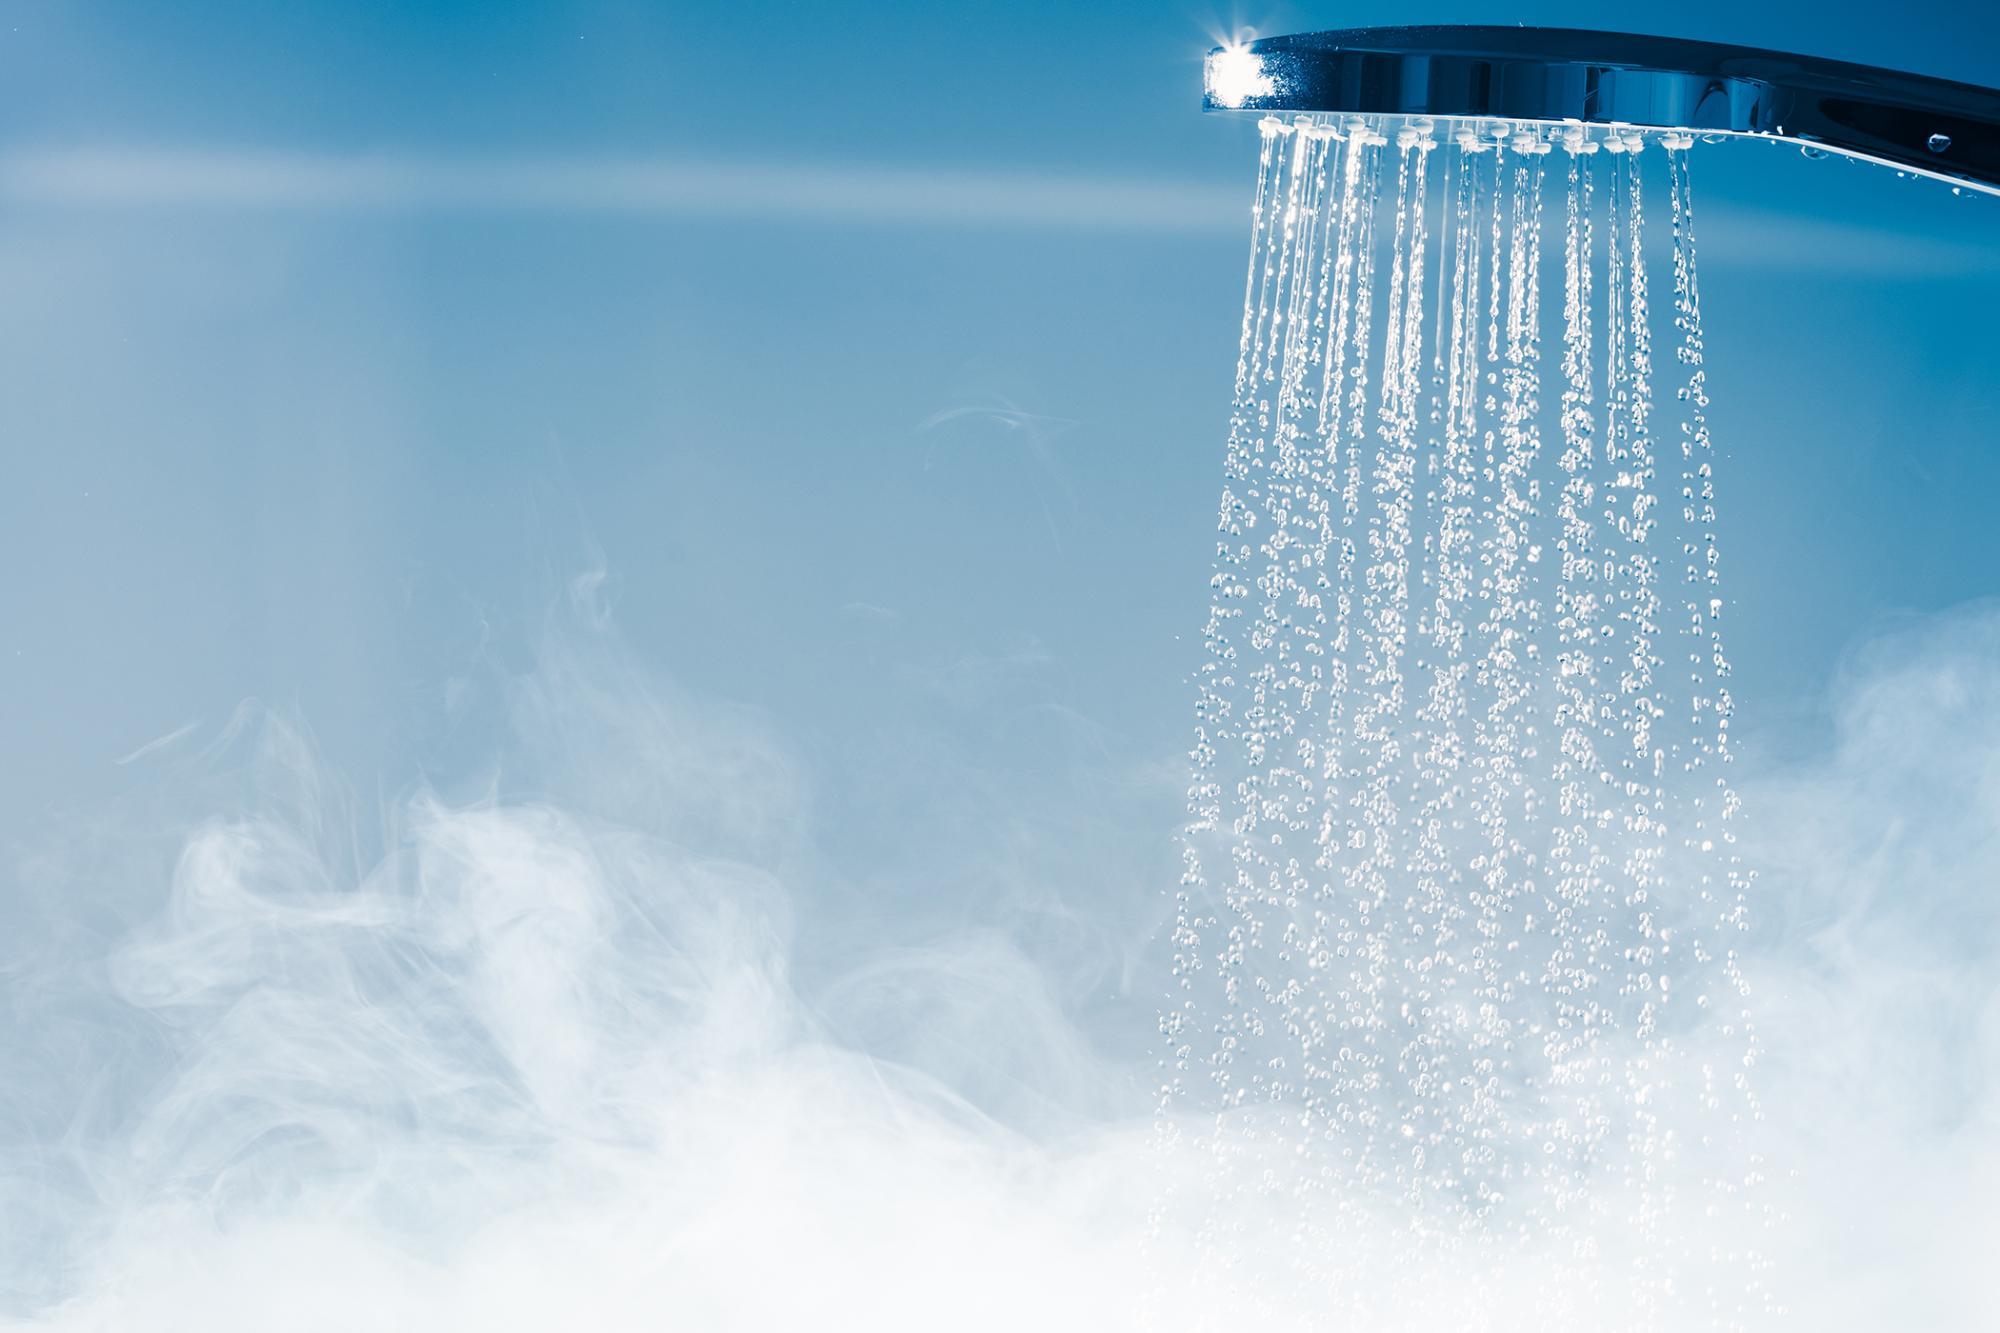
[1455, 989]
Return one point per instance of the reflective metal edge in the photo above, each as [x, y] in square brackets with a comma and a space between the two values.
[1932, 127]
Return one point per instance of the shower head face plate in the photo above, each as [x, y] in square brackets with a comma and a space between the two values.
[1555, 76]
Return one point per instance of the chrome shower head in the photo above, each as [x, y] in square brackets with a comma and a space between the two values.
[1558, 76]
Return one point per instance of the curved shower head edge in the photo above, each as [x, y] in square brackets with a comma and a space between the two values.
[1912, 122]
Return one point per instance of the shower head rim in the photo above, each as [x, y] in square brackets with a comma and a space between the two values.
[1915, 123]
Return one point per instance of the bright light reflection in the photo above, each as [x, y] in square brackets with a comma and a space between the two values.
[1235, 75]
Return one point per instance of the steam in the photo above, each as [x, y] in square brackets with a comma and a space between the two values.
[531, 1048]
[1877, 983]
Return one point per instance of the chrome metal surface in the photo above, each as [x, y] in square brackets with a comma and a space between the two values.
[1932, 127]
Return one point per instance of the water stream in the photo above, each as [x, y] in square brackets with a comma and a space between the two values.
[1454, 939]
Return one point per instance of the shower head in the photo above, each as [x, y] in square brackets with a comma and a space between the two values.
[1558, 76]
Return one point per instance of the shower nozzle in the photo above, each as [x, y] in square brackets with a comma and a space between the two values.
[1912, 122]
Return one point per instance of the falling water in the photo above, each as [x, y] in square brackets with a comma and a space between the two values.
[1453, 943]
